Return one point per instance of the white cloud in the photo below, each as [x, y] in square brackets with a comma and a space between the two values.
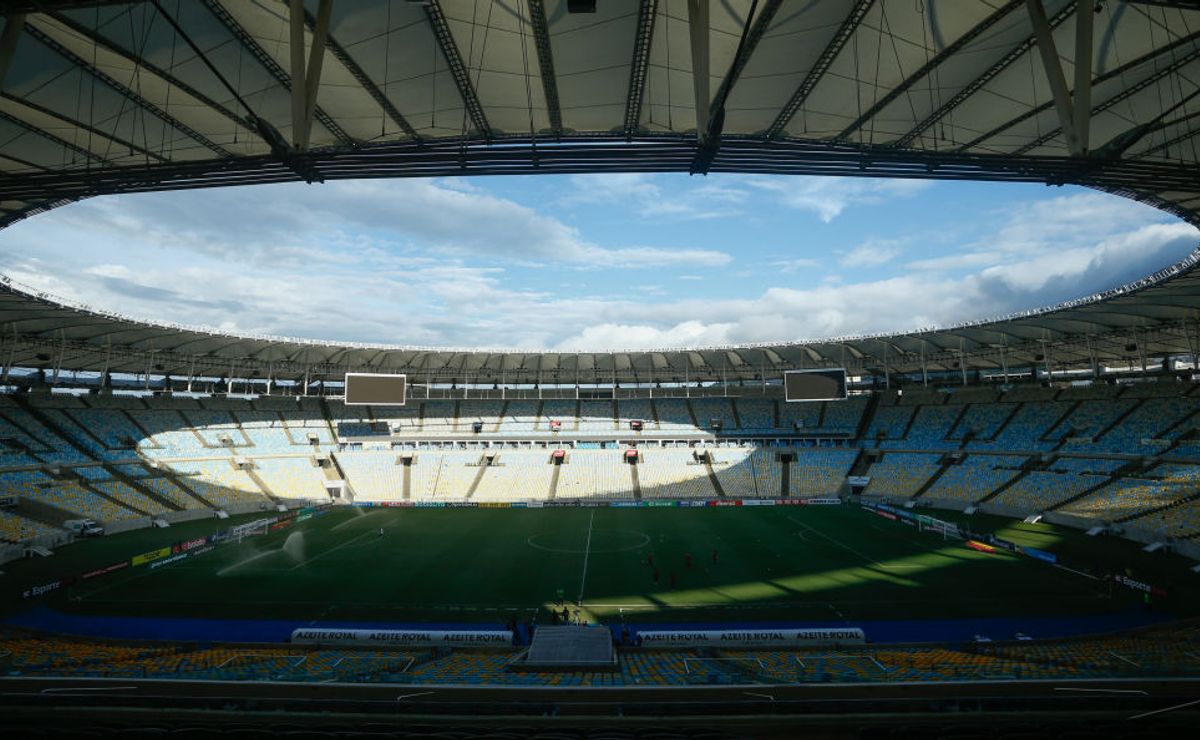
[828, 197]
[297, 225]
[872, 253]
[320, 267]
[695, 199]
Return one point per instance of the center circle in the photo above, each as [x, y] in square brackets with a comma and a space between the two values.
[602, 541]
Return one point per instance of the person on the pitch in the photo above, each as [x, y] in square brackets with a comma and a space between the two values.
[687, 560]
[715, 557]
[381, 531]
[672, 580]
[656, 576]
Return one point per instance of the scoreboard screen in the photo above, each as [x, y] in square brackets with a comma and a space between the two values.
[814, 385]
[375, 389]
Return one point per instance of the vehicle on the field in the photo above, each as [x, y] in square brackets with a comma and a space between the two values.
[84, 527]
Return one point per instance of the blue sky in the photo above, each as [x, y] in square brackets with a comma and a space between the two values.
[594, 262]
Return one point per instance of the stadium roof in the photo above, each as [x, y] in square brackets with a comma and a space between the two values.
[1152, 318]
[101, 97]
[117, 96]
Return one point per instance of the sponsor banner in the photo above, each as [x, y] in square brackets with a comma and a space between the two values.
[429, 638]
[858, 480]
[1139, 585]
[105, 570]
[519, 504]
[535, 504]
[980, 546]
[789, 502]
[190, 544]
[1010, 546]
[45, 588]
[1033, 552]
[244, 529]
[726, 502]
[431, 505]
[669, 503]
[280, 525]
[757, 502]
[304, 516]
[823, 501]
[149, 557]
[494, 505]
[884, 514]
[625, 504]
[751, 638]
[173, 559]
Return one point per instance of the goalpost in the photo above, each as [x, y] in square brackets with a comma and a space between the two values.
[250, 529]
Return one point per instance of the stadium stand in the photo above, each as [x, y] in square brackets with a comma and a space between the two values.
[1078, 424]
[900, 474]
[517, 476]
[756, 414]
[599, 473]
[1162, 652]
[375, 476]
[974, 478]
[818, 472]
[674, 473]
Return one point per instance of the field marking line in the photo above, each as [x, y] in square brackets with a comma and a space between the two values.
[331, 550]
[587, 551]
[849, 549]
[352, 520]
[1165, 709]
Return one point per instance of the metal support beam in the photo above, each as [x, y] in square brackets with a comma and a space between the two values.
[125, 92]
[104, 42]
[979, 82]
[13, 25]
[950, 51]
[1115, 146]
[541, 41]
[36, 131]
[272, 67]
[698, 28]
[127, 145]
[304, 96]
[831, 51]
[1054, 73]
[647, 13]
[1115, 73]
[1082, 94]
[360, 76]
[756, 27]
[458, 70]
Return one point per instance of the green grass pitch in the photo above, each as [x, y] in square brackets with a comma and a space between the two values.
[801, 563]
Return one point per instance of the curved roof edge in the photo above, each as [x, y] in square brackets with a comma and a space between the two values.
[41, 329]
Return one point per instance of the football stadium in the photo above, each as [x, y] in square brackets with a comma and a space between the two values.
[985, 528]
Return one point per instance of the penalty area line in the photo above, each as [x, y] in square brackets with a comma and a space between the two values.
[849, 549]
[587, 550]
[347, 543]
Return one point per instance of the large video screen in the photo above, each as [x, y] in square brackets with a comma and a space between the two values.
[814, 385]
[375, 389]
